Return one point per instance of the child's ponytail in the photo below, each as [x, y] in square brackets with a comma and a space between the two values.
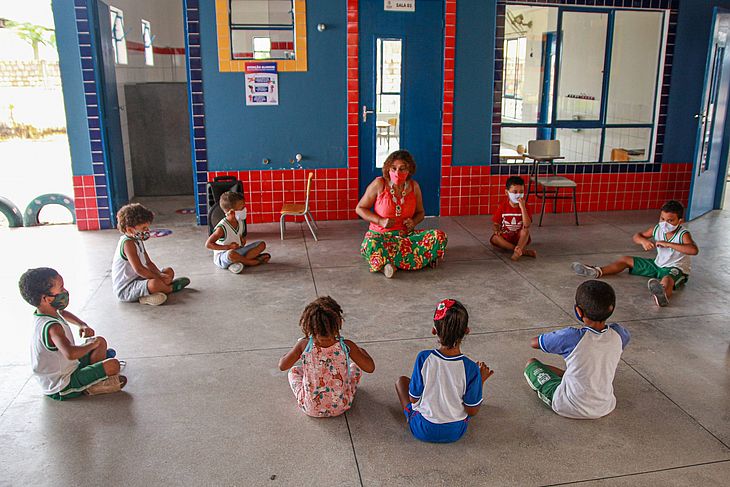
[450, 321]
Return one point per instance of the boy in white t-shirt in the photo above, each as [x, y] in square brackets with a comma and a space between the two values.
[670, 269]
[592, 353]
[228, 240]
[64, 369]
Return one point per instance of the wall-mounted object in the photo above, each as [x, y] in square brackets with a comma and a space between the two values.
[321, 27]
[265, 30]
[266, 162]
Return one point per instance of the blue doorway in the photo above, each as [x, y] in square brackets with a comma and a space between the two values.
[401, 73]
[710, 162]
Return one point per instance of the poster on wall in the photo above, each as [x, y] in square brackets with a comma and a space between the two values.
[262, 84]
[400, 5]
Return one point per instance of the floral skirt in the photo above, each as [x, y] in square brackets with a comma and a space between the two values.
[411, 251]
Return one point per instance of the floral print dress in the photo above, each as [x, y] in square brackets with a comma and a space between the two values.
[326, 382]
[407, 251]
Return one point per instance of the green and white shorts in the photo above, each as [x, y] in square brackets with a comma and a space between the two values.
[542, 380]
[85, 376]
[648, 268]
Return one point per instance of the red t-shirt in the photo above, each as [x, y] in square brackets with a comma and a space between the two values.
[509, 218]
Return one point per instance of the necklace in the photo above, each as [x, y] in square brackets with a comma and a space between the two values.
[398, 202]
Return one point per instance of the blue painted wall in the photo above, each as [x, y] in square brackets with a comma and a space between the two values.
[474, 82]
[685, 94]
[73, 87]
[311, 118]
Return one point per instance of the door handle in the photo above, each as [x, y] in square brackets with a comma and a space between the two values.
[701, 116]
[365, 112]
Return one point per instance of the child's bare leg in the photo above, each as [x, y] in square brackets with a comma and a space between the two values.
[524, 241]
[157, 286]
[250, 259]
[401, 387]
[99, 353]
[620, 265]
[111, 366]
[501, 242]
[255, 252]
[668, 284]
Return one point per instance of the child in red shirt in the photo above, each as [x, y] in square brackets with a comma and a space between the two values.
[512, 221]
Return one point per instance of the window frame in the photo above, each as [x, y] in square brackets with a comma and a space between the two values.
[149, 54]
[555, 123]
[120, 55]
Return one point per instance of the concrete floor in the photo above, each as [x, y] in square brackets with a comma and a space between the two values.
[206, 404]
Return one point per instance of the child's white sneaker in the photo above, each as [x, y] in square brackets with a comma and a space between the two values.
[658, 292]
[114, 383]
[586, 270]
[154, 299]
[236, 267]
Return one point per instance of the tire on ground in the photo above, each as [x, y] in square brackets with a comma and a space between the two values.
[11, 212]
[30, 217]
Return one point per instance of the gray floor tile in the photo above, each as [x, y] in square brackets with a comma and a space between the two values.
[714, 474]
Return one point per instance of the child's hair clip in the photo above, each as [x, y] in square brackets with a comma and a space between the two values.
[442, 308]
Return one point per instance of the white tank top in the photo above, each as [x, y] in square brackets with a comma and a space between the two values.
[50, 367]
[666, 257]
[122, 271]
[230, 234]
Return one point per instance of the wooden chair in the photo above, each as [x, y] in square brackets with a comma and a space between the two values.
[298, 209]
[547, 151]
[392, 123]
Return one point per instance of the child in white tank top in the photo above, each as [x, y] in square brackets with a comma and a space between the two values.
[670, 269]
[65, 370]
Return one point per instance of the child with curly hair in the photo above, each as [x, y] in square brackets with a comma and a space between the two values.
[445, 389]
[326, 381]
[134, 276]
[65, 370]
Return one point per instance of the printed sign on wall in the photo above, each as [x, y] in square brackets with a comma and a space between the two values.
[400, 5]
[262, 84]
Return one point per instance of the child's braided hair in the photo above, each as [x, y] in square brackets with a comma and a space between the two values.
[321, 318]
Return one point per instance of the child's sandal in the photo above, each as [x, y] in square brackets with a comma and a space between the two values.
[263, 258]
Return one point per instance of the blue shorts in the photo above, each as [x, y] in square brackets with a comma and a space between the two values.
[221, 259]
[425, 430]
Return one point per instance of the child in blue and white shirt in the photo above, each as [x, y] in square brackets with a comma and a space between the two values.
[592, 353]
[445, 389]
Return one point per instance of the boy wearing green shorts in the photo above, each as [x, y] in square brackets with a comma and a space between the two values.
[592, 353]
[64, 369]
[670, 269]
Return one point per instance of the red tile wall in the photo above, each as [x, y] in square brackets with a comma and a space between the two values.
[473, 190]
[353, 84]
[87, 214]
[333, 196]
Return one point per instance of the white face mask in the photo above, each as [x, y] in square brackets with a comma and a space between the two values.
[515, 197]
[241, 215]
[667, 227]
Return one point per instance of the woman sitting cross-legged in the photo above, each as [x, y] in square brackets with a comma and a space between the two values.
[393, 205]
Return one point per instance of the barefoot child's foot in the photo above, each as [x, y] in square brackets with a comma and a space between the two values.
[586, 270]
[530, 253]
[515, 257]
[657, 291]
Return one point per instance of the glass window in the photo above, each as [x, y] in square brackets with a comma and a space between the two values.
[554, 81]
[388, 97]
[634, 66]
[262, 29]
[147, 38]
[118, 35]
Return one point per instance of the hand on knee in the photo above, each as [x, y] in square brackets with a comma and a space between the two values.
[101, 341]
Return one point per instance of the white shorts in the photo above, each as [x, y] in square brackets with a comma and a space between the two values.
[222, 260]
[133, 291]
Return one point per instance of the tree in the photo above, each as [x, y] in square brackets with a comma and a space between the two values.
[33, 34]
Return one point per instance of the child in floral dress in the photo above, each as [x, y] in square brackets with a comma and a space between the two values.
[326, 381]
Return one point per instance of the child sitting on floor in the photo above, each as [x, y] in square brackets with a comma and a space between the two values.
[134, 276]
[670, 269]
[592, 353]
[228, 240]
[64, 369]
[445, 389]
[326, 382]
[512, 221]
